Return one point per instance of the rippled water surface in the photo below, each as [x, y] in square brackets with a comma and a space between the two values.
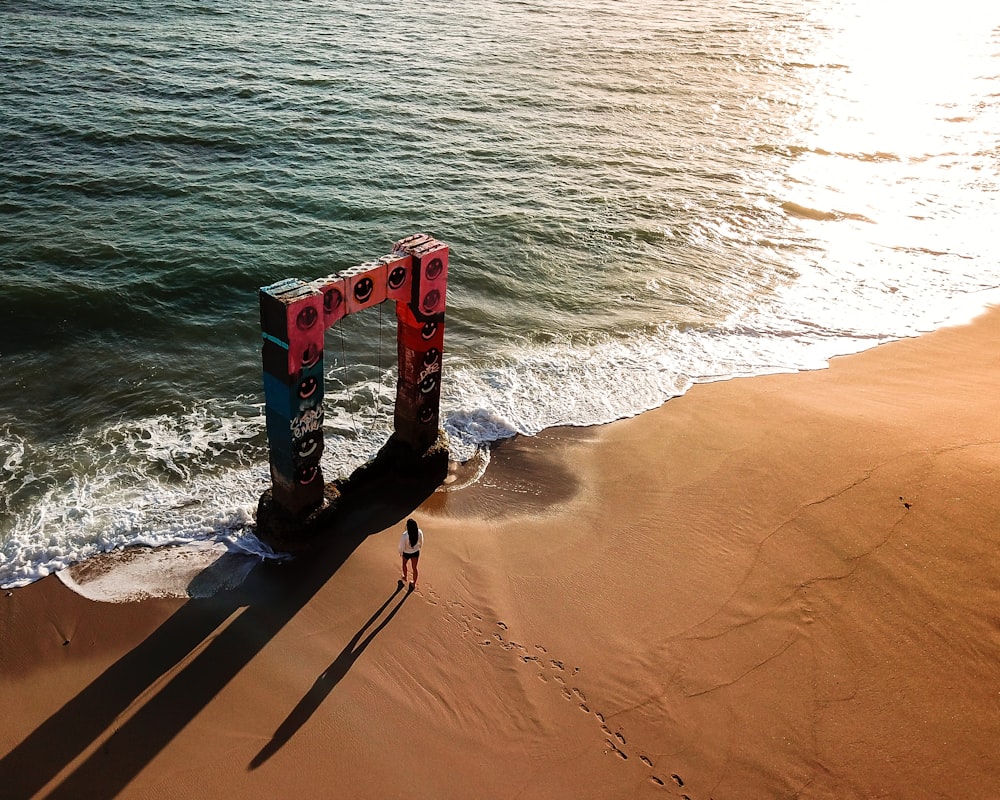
[637, 197]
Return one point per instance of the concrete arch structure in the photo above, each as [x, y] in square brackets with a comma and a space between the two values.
[295, 315]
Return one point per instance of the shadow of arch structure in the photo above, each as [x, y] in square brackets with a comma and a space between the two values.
[294, 316]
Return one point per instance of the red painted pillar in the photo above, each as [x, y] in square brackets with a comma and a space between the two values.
[420, 342]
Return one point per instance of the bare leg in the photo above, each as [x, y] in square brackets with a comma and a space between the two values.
[404, 568]
[415, 559]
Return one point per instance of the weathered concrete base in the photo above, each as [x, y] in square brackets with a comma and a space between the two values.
[285, 532]
[398, 474]
[399, 460]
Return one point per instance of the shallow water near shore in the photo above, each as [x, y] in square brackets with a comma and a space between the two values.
[637, 199]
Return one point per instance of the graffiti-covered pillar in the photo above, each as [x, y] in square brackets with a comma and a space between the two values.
[291, 318]
[420, 342]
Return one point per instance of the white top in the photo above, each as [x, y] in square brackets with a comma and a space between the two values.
[404, 542]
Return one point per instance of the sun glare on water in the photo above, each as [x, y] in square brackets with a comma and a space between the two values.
[898, 107]
[904, 71]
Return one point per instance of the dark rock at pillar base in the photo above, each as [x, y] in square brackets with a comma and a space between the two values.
[398, 460]
[285, 532]
[380, 492]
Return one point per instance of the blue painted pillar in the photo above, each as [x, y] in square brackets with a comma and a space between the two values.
[292, 325]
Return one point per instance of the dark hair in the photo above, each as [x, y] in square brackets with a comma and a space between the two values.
[412, 529]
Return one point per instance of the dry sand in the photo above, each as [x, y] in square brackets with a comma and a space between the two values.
[774, 587]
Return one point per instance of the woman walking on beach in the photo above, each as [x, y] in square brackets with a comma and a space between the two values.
[409, 549]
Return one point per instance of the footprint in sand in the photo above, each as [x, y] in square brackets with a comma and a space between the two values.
[615, 740]
[617, 752]
[467, 627]
[452, 609]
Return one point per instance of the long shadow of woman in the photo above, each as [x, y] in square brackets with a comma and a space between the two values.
[327, 680]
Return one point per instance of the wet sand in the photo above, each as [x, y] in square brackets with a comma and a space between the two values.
[772, 587]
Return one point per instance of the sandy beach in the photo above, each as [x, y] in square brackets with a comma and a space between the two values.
[773, 587]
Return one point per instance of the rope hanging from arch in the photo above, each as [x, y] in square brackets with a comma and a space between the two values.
[379, 371]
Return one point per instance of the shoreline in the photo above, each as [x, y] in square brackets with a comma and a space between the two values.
[774, 586]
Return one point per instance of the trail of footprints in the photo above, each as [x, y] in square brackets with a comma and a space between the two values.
[555, 671]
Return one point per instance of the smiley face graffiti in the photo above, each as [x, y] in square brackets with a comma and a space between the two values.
[430, 301]
[430, 376]
[308, 387]
[309, 445]
[333, 299]
[434, 269]
[306, 474]
[311, 355]
[306, 318]
[429, 383]
[396, 278]
[363, 290]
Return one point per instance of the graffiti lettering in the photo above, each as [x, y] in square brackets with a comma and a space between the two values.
[428, 371]
[307, 422]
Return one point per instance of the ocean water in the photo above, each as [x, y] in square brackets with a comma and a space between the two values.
[638, 197]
